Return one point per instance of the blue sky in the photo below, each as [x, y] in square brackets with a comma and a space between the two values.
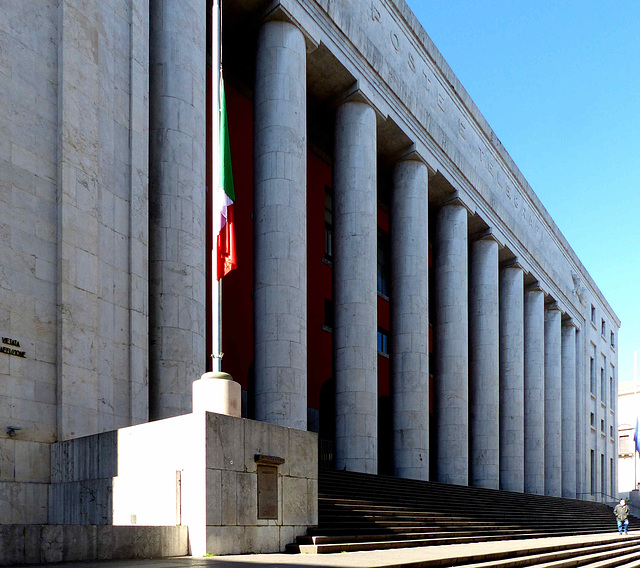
[559, 83]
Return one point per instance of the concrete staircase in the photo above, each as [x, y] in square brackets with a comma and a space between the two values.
[359, 512]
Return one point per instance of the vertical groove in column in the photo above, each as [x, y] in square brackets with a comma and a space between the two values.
[534, 391]
[177, 204]
[569, 418]
[452, 313]
[552, 402]
[354, 287]
[280, 234]
[511, 379]
[484, 466]
[410, 320]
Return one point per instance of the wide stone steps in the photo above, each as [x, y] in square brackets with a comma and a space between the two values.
[607, 554]
[361, 512]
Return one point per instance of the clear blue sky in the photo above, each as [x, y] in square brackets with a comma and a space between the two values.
[559, 83]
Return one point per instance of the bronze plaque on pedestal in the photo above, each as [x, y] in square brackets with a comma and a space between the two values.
[267, 492]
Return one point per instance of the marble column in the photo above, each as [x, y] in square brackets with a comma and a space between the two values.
[512, 378]
[409, 310]
[452, 346]
[484, 464]
[355, 248]
[569, 482]
[280, 226]
[177, 207]
[582, 422]
[552, 402]
[534, 391]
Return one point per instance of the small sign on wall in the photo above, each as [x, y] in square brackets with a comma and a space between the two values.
[12, 347]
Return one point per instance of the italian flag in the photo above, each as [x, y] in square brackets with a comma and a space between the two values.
[223, 200]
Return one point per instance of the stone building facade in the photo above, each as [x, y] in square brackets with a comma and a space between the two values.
[497, 352]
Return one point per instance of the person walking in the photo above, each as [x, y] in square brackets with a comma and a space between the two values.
[622, 512]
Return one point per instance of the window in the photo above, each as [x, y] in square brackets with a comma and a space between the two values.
[613, 388]
[602, 426]
[603, 480]
[328, 315]
[623, 446]
[611, 432]
[592, 375]
[593, 472]
[602, 385]
[611, 478]
[613, 339]
[593, 314]
[592, 420]
[612, 392]
[603, 328]
[383, 341]
[383, 264]
[328, 224]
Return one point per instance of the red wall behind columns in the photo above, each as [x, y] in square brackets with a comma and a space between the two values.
[320, 365]
[237, 306]
[237, 286]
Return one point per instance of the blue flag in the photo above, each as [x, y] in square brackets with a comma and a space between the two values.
[636, 438]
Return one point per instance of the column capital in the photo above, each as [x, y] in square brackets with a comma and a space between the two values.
[412, 154]
[354, 94]
[486, 235]
[553, 307]
[534, 287]
[276, 12]
[513, 263]
[567, 321]
[457, 200]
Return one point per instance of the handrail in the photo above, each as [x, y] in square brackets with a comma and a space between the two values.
[600, 493]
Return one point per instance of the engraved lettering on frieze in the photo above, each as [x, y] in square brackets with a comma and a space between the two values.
[490, 167]
[395, 41]
[427, 81]
[462, 130]
[441, 102]
[375, 13]
[508, 191]
[481, 149]
[411, 62]
[516, 201]
[9, 351]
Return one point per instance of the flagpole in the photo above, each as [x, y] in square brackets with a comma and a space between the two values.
[216, 290]
[635, 398]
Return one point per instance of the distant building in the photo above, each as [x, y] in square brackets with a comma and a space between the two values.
[401, 289]
[628, 412]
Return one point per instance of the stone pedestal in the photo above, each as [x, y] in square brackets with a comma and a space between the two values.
[217, 392]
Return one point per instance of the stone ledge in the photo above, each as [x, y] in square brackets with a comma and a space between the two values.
[42, 544]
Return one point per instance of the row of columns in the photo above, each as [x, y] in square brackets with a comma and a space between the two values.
[510, 367]
[505, 364]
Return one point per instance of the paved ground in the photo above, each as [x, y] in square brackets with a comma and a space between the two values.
[402, 557]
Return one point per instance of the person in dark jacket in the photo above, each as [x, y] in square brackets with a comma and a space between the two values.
[622, 512]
